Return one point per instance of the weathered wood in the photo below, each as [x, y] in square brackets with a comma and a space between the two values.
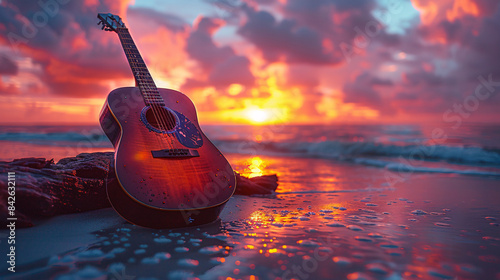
[77, 184]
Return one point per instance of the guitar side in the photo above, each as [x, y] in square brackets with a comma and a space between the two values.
[159, 192]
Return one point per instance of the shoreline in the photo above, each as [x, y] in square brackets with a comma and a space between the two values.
[453, 224]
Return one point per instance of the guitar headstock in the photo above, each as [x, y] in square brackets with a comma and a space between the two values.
[110, 22]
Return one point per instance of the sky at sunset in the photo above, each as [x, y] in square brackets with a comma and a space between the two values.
[258, 61]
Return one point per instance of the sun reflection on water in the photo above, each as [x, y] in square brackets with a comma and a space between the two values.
[253, 167]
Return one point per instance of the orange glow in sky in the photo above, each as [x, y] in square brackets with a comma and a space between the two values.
[258, 115]
[235, 74]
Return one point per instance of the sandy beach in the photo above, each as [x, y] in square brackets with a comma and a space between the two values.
[431, 226]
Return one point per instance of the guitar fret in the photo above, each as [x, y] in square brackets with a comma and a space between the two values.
[144, 80]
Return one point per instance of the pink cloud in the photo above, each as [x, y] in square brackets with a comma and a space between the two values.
[279, 49]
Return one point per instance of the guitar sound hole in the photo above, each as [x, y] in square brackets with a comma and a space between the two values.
[160, 118]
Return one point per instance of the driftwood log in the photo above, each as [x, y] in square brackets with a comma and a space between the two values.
[77, 184]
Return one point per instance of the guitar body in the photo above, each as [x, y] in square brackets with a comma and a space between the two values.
[167, 175]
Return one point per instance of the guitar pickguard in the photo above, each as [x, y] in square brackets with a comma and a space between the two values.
[187, 133]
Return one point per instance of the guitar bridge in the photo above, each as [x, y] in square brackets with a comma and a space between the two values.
[175, 153]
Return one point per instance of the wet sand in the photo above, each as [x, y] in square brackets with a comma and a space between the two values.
[328, 221]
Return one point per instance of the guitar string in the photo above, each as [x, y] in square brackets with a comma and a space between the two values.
[171, 120]
[158, 113]
[151, 89]
[159, 139]
[167, 116]
[134, 64]
[191, 164]
[176, 169]
[185, 175]
[128, 52]
[148, 91]
[164, 115]
[160, 116]
[159, 123]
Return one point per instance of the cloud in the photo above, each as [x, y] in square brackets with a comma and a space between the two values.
[263, 51]
[161, 39]
[201, 46]
[221, 66]
[284, 40]
[76, 60]
[76, 57]
[7, 66]
[155, 19]
[452, 10]
[303, 76]
[8, 89]
[233, 70]
[362, 92]
[425, 78]
[310, 105]
[319, 32]
[462, 35]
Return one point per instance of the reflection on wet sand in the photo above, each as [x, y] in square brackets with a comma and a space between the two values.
[327, 221]
[359, 227]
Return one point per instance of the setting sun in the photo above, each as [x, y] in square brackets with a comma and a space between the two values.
[250, 139]
[258, 115]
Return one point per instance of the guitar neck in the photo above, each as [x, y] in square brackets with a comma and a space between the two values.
[141, 73]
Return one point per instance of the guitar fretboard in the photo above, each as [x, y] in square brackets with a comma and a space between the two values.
[139, 69]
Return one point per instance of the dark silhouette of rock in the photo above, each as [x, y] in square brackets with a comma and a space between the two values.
[77, 184]
[265, 184]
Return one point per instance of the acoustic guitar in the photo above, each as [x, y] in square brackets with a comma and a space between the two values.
[168, 173]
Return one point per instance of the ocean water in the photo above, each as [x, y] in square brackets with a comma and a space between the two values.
[353, 202]
[467, 150]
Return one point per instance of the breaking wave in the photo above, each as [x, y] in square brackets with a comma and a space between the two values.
[352, 150]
